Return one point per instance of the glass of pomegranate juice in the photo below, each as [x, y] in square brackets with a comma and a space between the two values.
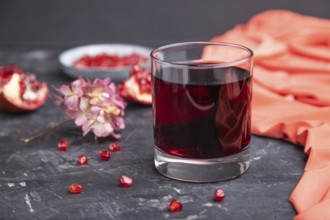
[202, 110]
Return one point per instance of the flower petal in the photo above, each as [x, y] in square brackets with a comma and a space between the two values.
[76, 88]
[72, 102]
[108, 128]
[99, 130]
[83, 105]
[95, 110]
[81, 120]
[87, 127]
[65, 90]
[100, 119]
[116, 136]
[120, 123]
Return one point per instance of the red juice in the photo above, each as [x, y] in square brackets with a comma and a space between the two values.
[202, 112]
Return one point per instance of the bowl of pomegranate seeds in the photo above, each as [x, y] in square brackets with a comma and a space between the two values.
[104, 60]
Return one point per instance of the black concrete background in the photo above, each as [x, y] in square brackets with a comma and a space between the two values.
[34, 177]
[61, 23]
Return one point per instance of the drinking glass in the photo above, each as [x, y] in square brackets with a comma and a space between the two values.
[202, 110]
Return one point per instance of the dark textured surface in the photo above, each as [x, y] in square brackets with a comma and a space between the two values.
[34, 176]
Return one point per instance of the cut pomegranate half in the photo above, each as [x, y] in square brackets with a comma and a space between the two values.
[20, 91]
[137, 87]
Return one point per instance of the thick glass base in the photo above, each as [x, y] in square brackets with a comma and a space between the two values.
[202, 170]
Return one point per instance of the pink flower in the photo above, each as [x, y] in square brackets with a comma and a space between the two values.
[96, 106]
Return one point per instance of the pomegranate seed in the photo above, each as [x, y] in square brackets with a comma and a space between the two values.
[175, 206]
[82, 160]
[115, 146]
[63, 145]
[75, 188]
[104, 60]
[125, 181]
[219, 195]
[136, 69]
[104, 154]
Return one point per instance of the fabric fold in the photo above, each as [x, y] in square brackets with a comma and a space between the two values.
[291, 95]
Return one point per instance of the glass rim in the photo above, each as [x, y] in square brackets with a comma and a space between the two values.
[206, 43]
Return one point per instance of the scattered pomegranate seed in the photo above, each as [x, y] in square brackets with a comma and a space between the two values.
[175, 206]
[219, 195]
[63, 145]
[115, 146]
[104, 154]
[82, 160]
[75, 188]
[125, 181]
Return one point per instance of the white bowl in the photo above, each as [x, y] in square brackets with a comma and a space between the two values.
[117, 74]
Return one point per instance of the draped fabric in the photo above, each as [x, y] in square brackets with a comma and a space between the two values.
[291, 95]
